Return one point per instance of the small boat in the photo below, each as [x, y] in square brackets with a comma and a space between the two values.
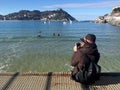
[44, 22]
[64, 22]
[70, 21]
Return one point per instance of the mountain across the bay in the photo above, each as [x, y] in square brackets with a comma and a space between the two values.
[57, 15]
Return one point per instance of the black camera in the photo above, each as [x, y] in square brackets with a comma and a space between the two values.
[78, 44]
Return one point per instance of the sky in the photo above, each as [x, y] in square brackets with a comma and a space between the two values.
[79, 9]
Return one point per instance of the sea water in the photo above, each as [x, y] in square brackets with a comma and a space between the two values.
[35, 46]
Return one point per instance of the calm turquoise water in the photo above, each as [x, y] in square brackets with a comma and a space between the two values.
[22, 50]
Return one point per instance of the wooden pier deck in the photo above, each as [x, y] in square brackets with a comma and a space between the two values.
[55, 81]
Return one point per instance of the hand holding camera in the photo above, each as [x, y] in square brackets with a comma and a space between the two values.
[76, 46]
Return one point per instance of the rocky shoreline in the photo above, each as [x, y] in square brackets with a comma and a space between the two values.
[113, 18]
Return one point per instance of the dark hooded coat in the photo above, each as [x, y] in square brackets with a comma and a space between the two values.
[83, 55]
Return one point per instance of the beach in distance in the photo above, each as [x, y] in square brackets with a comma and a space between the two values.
[37, 46]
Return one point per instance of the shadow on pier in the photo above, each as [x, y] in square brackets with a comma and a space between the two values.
[55, 80]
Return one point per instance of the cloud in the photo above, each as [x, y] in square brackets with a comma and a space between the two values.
[87, 5]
